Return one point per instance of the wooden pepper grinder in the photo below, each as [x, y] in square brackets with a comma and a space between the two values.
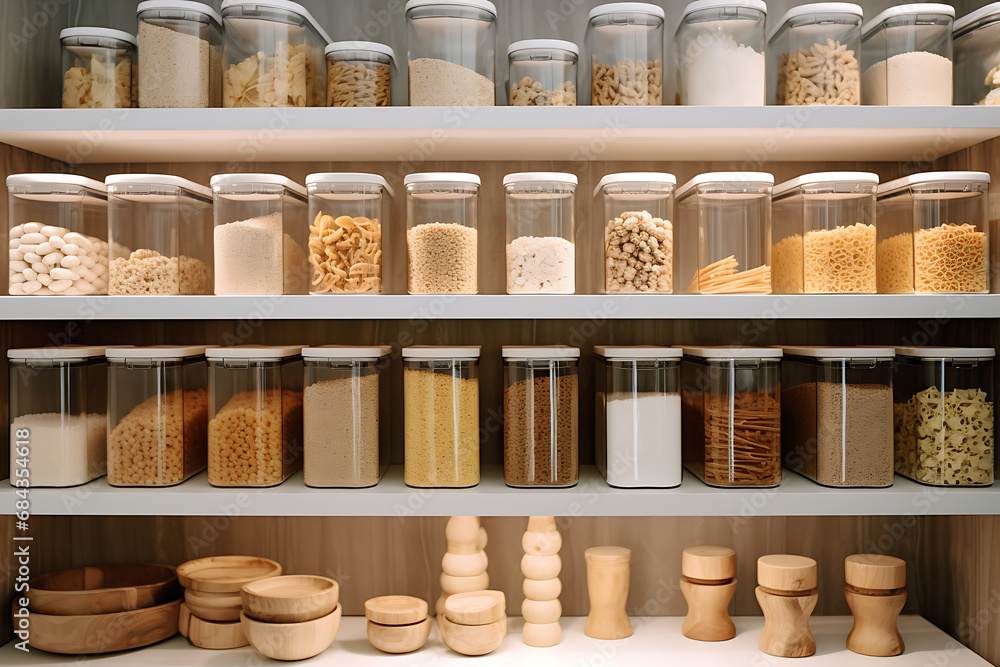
[876, 593]
[540, 566]
[708, 582]
[463, 567]
[786, 592]
[607, 583]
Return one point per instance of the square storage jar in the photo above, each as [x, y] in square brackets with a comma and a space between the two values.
[255, 415]
[823, 234]
[359, 74]
[977, 57]
[58, 415]
[58, 235]
[638, 415]
[99, 68]
[944, 415]
[836, 414]
[731, 415]
[933, 233]
[157, 414]
[346, 415]
[541, 250]
[442, 241]
[542, 73]
[625, 43]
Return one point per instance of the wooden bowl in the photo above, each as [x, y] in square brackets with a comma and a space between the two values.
[213, 635]
[476, 608]
[292, 641]
[395, 610]
[219, 607]
[473, 639]
[106, 589]
[294, 598]
[104, 633]
[225, 574]
[399, 638]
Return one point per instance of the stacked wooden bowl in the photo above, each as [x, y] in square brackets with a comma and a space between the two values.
[293, 617]
[397, 623]
[474, 623]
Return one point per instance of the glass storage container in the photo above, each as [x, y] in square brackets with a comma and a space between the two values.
[346, 250]
[625, 43]
[724, 236]
[541, 416]
[451, 52]
[358, 74]
[906, 54]
[58, 415]
[260, 235]
[273, 55]
[99, 68]
[160, 233]
[157, 414]
[441, 416]
[836, 414]
[932, 233]
[943, 408]
[58, 235]
[346, 415]
[542, 73]
[442, 255]
[813, 55]
[638, 207]
[731, 415]
[823, 234]
[255, 411]
[638, 415]
[541, 255]
[180, 55]
[977, 57]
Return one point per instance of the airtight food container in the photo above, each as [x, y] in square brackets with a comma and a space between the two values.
[350, 217]
[442, 240]
[58, 235]
[943, 415]
[180, 54]
[823, 234]
[542, 73]
[638, 415]
[345, 415]
[977, 57]
[441, 416]
[255, 415]
[99, 68]
[933, 233]
[358, 74]
[625, 44]
[541, 255]
[58, 415]
[157, 414]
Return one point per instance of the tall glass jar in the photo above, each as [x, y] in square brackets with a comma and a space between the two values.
[180, 55]
[976, 40]
[442, 240]
[99, 68]
[625, 43]
[358, 74]
[541, 255]
[542, 73]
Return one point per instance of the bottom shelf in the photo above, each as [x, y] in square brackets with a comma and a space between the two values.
[655, 639]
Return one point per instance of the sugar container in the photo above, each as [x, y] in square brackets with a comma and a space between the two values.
[625, 43]
[541, 255]
[442, 255]
[542, 73]
[180, 54]
[99, 68]
[976, 39]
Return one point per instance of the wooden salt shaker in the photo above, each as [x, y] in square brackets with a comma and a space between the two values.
[876, 593]
[786, 592]
[607, 584]
[708, 582]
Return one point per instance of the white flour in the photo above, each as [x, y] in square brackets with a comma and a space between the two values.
[913, 78]
[644, 440]
[63, 450]
[718, 71]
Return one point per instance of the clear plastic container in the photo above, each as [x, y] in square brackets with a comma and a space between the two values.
[58, 235]
[451, 52]
[157, 414]
[541, 416]
[350, 214]
[731, 415]
[442, 240]
[638, 415]
[823, 234]
[933, 233]
[638, 207]
[542, 73]
[346, 415]
[255, 411]
[359, 74]
[625, 43]
[814, 55]
[260, 235]
[441, 416]
[160, 233]
[977, 57]
[724, 235]
[836, 414]
[906, 54]
[273, 55]
[943, 410]
[99, 68]
[541, 255]
[180, 55]
[58, 415]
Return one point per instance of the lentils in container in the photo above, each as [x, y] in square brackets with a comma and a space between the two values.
[358, 74]
[442, 255]
[976, 43]
[99, 68]
[541, 255]
[542, 73]
[625, 43]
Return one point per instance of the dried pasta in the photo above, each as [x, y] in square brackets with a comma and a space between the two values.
[722, 278]
[837, 260]
[286, 79]
[948, 258]
[346, 254]
[357, 85]
[629, 83]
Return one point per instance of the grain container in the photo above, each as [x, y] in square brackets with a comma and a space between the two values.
[542, 73]
[625, 43]
[99, 68]
[442, 240]
[541, 255]
[358, 74]
[977, 56]
[180, 55]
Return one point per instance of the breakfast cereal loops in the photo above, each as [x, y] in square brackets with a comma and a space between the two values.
[838, 260]
[528, 93]
[357, 85]
[629, 83]
[442, 258]
[638, 253]
[148, 272]
[948, 258]
[345, 254]
[823, 74]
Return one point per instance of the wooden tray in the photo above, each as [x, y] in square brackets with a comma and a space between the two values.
[105, 589]
[104, 633]
[225, 574]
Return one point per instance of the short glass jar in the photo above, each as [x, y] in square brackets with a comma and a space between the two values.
[542, 73]
[541, 255]
[99, 69]
[358, 74]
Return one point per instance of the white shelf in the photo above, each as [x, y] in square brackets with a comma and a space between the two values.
[655, 642]
[499, 133]
[796, 496]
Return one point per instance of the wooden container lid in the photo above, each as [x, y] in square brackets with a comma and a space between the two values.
[875, 572]
[708, 563]
[607, 553]
[475, 608]
[786, 572]
[395, 610]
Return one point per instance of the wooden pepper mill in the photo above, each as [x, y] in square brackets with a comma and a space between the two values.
[786, 592]
[463, 567]
[540, 566]
[607, 584]
[876, 593]
[708, 582]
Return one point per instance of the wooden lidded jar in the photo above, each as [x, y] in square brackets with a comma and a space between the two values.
[786, 592]
[876, 593]
[708, 582]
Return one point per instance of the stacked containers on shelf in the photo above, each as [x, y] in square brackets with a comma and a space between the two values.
[625, 43]
[99, 68]
[442, 255]
[358, 74]
[541, 255]
[542, 73]
[932, 233]
[977, 57]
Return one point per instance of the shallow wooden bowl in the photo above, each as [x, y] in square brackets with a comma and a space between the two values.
[211, 634]
[292, 641]
[219, 607]
[399, 638]
[225, 574]
[475, 608]
[294, 598]
[105, 589]
[104, 633]
[473, 639]
[395, 610]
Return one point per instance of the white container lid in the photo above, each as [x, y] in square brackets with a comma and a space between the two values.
[540, 352]
[699, 5]
[286, 5]
[346, 352]
[442, 177]
[726, 177]
[57, 179]
[185, 5]
[348, 178]
[933, 177]
[263, 179]
[862, 177]
[159, 179]
[56, 352]
[814, 9]
[374, 47]
[554, 44]
[624, 7]
[626, 352]
[108, 33]
[540, 177]
[972, 18]
[155, 352]
[824, 352]
[908, 10]
[252, 352]
[734, 352]
[442, 352]
[478, 4]
[658, 177]
[938, 353]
